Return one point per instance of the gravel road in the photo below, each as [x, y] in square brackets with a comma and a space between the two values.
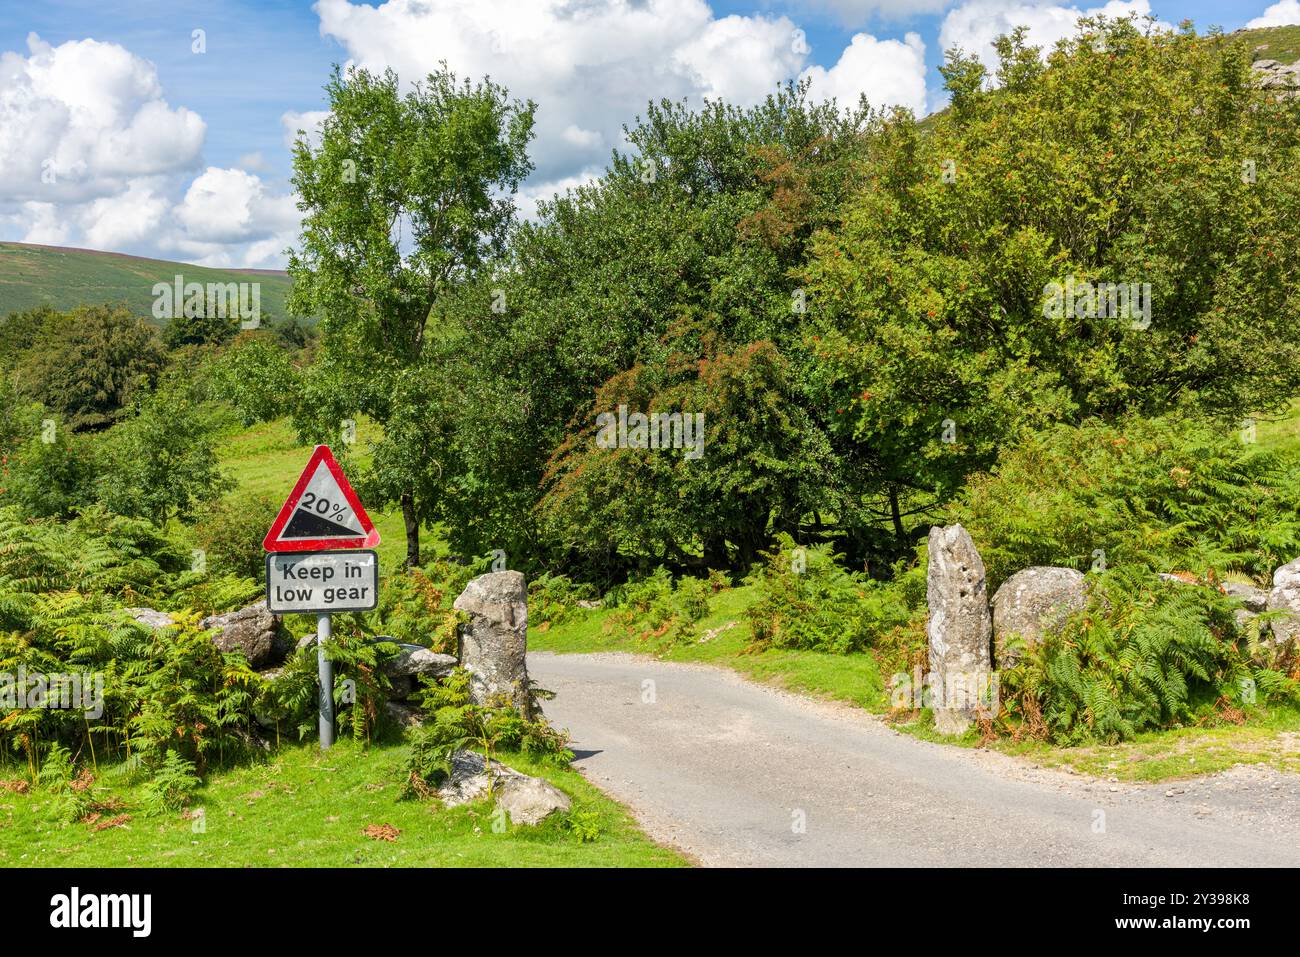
[734, 773]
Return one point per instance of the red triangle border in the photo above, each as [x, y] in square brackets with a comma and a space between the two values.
[271, 542]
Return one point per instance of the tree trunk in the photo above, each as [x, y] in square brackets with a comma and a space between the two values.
[715, 553]
[412, 529]
[900, 534]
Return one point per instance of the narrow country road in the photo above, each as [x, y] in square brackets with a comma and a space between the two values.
[735, 773]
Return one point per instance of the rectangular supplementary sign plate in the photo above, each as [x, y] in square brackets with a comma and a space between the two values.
[322, 582]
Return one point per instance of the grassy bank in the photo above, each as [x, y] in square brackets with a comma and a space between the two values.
[303, 809]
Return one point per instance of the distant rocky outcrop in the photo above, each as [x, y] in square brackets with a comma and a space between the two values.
[1281, 78]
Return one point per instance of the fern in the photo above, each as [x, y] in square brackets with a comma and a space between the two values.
[1144, 653]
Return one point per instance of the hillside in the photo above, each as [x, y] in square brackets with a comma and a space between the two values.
[1275, 43]
[64, 278]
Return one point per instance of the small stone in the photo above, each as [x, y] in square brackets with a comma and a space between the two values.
[151, 618]
[527, 800]
[412, 660]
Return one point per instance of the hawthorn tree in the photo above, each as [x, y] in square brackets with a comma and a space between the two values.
[406, 196]
[87, 364]
[671, 264]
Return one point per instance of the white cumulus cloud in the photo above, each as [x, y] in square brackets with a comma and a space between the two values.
[79, 120]
[227, 212]
[592, 66]
[887, 72]
[1281, 14]
[307, 123]
[974, 25]
[95, 156]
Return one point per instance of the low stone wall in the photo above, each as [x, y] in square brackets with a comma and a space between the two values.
[493, 645]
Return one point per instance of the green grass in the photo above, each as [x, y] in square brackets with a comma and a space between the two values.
[854, 679]
[1279, 432]
[1271, 739]
[64, 278]
[302, 808]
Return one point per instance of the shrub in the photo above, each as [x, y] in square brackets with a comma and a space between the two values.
[161, 462]
[1144, 653]
[172, 785]
[553, 599]
[452, 724]
[231, 532]
[655, 608]
[259, 379]
[807, 601]
[415, 606]
[87, 364]
[1173, 494]
[52, 473]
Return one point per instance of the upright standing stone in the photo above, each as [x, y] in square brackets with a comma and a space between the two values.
[494, 645]
[959, 629]
[1285, 596]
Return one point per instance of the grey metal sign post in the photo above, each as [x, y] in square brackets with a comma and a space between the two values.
[321, 583]
[325, 668]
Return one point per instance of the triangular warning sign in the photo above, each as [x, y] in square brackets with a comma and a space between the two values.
[322, 512]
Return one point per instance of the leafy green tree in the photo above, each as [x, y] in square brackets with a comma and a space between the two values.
[86, 364]
[259, 379]
[201, 330]
[1130, 157]
[748, 458]
[406, 197]
[15, 420]
[697, 226]
[161, 463]
[293, 333]
[19, 331]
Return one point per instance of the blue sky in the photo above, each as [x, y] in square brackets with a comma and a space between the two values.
[266, 59]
